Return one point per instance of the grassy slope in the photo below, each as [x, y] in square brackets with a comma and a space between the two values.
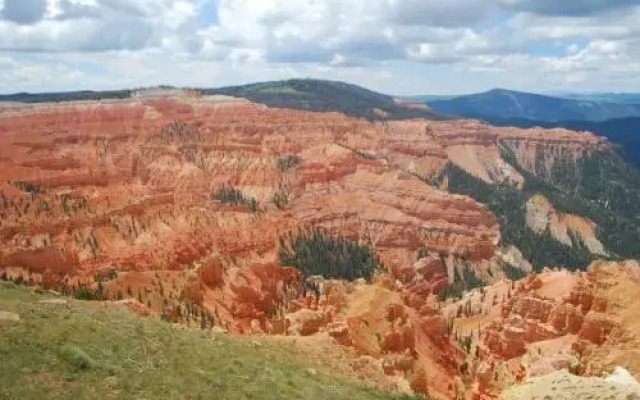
[84, 351]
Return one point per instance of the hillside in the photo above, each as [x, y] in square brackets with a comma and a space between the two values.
[317, 95]
[500, 103]
[63, 349]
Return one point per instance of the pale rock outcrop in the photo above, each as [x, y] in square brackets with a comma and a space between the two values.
[513, 256]
[562, 385]
[541, 217]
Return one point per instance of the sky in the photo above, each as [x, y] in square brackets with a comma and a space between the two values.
[398, 47]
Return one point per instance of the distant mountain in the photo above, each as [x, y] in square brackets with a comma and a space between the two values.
[620, 98]
[319, 95]
[65, 96]
[426, 98]
[505, 104]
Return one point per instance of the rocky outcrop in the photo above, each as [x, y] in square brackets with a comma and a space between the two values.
[541, 218]
[212, 273]
[514, 257]
[596, 328]
[540, 151]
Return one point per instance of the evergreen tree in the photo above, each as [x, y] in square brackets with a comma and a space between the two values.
[315, 253]
[231, 195]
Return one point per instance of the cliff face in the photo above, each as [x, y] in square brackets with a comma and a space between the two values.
[120, 193]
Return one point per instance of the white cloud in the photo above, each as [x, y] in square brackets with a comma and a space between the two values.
[101, 25]
[379, 43]
[534, 27]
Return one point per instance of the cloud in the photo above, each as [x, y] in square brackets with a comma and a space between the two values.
[24, 12]
[447, 13]
[389, 45]
[70, 11]
[104, 25]
[76, 35]
[378, 30]
[570, 7]
[535, 27]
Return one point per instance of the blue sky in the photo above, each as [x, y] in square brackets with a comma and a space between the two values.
[393, 46]
[207, 13]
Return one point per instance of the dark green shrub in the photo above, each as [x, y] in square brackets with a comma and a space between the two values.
[76, 357]
[288, 162]
[83, 292]
[513, 273]
[462, 282]
[28, 187]
[281, 197]
[231, 195]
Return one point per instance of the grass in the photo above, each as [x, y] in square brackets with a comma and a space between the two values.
[84, 351]
[277, 89]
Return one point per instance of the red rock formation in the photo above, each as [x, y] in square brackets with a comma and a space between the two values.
[596, 328]
[529, 317]
[125, 186]
[556, 316]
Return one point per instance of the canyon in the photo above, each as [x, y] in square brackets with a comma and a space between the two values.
[118, 197]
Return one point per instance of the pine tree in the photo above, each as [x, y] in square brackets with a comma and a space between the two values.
[315, 253]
